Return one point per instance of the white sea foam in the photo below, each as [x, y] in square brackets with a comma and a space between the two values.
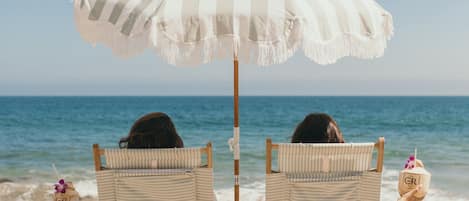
[87, 188]
[25, 192]
[249, 192]
[252, 192]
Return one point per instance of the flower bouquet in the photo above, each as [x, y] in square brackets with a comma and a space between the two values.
[64, 191]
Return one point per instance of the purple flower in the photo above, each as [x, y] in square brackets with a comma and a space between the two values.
[410, 163]
[61, 186]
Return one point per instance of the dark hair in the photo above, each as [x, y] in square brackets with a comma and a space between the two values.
[154, 130]
[317, 128]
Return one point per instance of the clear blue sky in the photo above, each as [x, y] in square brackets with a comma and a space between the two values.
[41, 53]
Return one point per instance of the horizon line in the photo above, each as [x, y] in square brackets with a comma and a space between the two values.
[248, 95]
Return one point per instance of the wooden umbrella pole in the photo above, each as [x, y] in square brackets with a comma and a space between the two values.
[236, 94]
[236, 126]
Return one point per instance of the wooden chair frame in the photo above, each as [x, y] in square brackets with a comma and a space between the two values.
[269, 147]
[97, 153]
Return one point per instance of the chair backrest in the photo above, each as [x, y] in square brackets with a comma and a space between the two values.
[324, 171]
[176, 158]
[154, 174]
[153, 158]
[325, 158]
[328, 157]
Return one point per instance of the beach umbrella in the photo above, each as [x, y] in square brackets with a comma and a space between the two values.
[262, 32]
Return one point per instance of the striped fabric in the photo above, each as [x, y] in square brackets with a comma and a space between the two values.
[153, 158]
[151, 188]
[264, 32]
[154, 175]
[155, 185]
[277, 187]
[324, 172]
[325, 158]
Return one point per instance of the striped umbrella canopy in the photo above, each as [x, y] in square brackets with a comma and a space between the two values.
[262, 32]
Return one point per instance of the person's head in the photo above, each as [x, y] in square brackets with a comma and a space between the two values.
[317, 128]
[154, 130]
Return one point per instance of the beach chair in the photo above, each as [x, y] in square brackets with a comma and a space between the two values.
[175, 174]
[333, 171]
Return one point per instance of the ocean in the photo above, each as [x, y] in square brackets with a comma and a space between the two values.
[36, 132]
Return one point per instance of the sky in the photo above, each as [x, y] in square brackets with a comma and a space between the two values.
[41, 53]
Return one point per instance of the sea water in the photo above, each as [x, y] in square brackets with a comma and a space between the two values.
[36, 132]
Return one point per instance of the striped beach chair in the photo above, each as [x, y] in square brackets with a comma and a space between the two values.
[154, 174]
[317, 172]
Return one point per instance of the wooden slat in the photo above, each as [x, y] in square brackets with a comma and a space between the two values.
[275, 146]
[380, 159]
[203, 150]
[97, 157]
[268, 156]
[209, 155]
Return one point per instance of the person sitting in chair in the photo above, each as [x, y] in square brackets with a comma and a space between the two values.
[317, 128]
[153, 130]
